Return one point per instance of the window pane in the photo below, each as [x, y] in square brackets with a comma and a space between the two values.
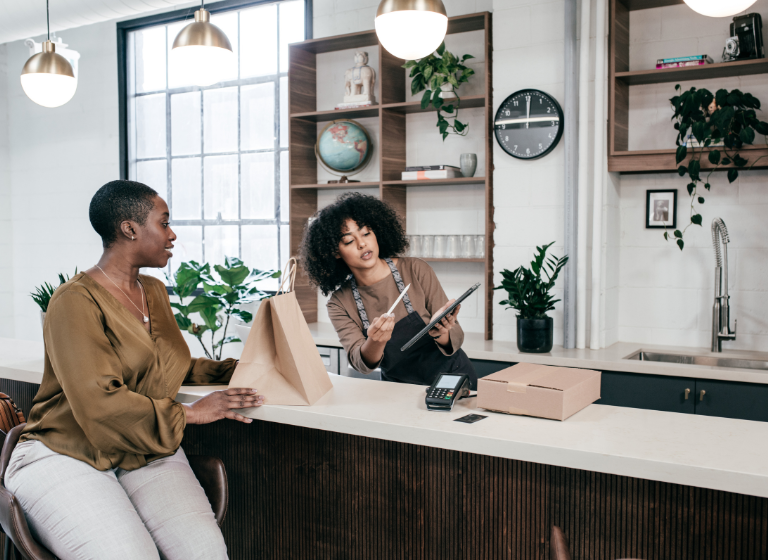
[283, 112]
[258, 186]
[291, 28]
[150, 59]
[285, 202]
[185, 204]
[188, 245]
[259, 44]
[154, 174]
[220, 120]
[285, 238]
[185, 123]
[260, 251]
[150, 126]
[257, 117]
[220, 242]
[175, 77]
[221, 187]
[227, 22]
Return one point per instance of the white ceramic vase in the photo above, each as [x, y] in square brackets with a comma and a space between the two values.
[447, 92]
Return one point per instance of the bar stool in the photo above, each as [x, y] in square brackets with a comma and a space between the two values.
[209, 471]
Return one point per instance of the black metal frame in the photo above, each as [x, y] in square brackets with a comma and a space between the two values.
[672, 211]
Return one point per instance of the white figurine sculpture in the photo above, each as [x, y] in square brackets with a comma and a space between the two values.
[359, 82]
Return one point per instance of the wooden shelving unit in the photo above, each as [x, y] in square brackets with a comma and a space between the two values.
[620, 79]
[391, 112]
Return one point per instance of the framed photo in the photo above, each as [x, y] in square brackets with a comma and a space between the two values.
[661, 209]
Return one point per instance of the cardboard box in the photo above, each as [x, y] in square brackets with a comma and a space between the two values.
[536, 390]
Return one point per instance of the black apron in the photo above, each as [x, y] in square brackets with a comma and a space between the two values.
[423, 361]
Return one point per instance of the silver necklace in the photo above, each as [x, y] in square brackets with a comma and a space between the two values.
[146, 319]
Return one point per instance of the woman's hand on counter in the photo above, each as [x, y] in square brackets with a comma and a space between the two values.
[442, 331]
[379, 334]
[222, 404]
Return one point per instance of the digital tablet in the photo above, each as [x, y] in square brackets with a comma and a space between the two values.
[439, 318]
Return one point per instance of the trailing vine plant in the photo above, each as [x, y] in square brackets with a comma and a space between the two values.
[429, 74]
[721, 124]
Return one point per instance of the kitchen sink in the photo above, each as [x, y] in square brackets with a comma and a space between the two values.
[715, 361]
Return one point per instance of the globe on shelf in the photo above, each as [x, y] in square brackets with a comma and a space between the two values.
[344, 148]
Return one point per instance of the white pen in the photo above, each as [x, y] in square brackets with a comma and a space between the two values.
[391, 309]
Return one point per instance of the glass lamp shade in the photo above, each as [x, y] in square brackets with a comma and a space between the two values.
[47, 78]
[411, 29]
[201, 52]
[719, 8]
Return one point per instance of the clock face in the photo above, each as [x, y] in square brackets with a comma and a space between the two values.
[528, 124]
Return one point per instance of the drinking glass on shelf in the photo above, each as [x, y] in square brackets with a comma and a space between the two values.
[453, 247]
[438, 251]
[479, 246]
[427, 246]
[467, 246]
[415, 242]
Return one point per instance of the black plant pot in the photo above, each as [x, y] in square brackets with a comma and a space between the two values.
[534, 335]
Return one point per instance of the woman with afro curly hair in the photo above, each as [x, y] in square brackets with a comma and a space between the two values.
[350, 250]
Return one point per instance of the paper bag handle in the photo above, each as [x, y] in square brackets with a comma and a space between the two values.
[290, 275]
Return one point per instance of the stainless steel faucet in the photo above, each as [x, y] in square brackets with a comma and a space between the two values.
[721, 311]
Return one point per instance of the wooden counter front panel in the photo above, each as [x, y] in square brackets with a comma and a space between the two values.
[304, 494]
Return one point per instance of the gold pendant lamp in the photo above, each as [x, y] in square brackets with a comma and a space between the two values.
[47, 78]
[411, 29]
[201, 52]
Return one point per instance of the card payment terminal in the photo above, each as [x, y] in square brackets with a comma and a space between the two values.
[446, 390]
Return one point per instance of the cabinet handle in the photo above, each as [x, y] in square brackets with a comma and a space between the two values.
[687, 392]
[701, 394]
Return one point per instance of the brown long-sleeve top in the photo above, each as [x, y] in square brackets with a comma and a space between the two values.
[108, 389]
[426, 294]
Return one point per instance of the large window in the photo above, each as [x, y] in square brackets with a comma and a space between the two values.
[218, 154]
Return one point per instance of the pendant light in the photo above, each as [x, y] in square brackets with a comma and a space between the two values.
[47, 78]
[201, 52]
[719, 8]
[411, 29]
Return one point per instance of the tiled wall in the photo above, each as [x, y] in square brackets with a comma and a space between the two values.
[665, 295]
[6, 229]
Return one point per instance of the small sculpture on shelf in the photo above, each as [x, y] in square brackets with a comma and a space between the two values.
[359, 82]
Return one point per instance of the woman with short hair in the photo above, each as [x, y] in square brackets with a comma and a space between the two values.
[350, 252]
[99, 470]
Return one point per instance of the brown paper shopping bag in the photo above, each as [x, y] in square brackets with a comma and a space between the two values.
[280, 358]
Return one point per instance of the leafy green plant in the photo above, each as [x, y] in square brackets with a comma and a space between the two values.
[221, 299]
[431, 72]
[728, 117]
[43, 294]
[527, 290]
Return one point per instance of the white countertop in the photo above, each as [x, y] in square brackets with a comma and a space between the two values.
[703, 451]
[605, 359]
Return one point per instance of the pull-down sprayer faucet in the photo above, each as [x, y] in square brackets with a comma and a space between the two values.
[721, 310]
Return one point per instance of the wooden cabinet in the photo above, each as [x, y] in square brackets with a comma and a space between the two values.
[653, 392]
[748, 401]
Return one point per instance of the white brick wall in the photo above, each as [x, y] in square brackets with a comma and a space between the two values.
[6, 229]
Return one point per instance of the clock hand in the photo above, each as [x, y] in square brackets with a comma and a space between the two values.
[527, 109]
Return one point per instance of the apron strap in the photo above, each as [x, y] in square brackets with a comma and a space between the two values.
[359, 301]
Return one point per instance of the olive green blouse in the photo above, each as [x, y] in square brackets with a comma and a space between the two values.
[108, 389]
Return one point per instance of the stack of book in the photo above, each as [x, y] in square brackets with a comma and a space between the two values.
[680, 61]
[419, 172]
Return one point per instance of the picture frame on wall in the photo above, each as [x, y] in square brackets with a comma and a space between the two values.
[661, 209]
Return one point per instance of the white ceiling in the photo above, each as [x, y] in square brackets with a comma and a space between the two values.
[20, 19]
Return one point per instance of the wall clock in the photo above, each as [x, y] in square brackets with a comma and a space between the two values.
[528, 124]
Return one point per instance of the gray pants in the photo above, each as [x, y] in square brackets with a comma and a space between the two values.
[78, 512]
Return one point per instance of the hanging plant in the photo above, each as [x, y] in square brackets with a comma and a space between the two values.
[441, 73]
[721, 125]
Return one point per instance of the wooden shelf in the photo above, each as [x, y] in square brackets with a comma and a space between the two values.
[650, 161]
[705, 72]
[436, 182]
[360, 185]
[333, 114]
[408, 107]
[633, 5]
[431, 259]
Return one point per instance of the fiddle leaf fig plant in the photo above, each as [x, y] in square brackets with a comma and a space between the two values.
[528, 291]
[721, 124]
[221, 299]
[430, 74]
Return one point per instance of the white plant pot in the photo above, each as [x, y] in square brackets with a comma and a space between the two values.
[42, 318]
[447, 92]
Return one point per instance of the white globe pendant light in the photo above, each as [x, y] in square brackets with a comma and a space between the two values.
[47, 78]
[201, 52]
[719, 8]
[411, 29]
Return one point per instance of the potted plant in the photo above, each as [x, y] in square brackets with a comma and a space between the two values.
[440, 74]
[220, 301]
[43, 294]
[529, 293]
[720, 124]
